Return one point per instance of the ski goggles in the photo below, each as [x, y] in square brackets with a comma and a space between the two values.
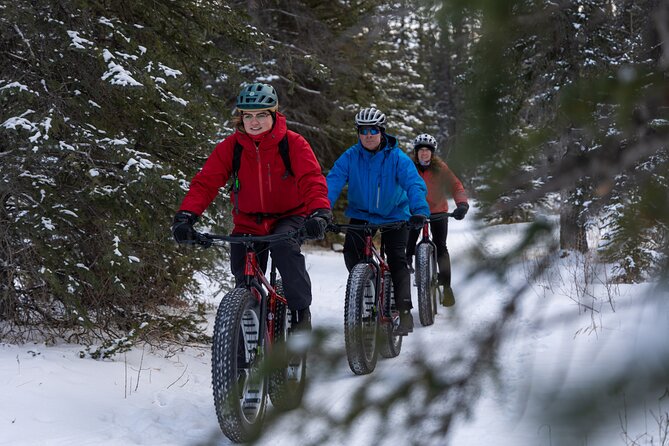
[369, 130]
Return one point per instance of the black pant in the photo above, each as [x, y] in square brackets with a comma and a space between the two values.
[394, 242]
[287, 257]
[439, 233]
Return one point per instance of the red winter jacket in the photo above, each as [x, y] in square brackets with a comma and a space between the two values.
[440, 181]
[264, 189]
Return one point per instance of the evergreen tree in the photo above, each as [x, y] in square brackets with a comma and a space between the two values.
[329, 60]
[557, 102]
[107, 109]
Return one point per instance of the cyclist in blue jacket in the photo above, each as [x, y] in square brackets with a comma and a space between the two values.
[383, 187]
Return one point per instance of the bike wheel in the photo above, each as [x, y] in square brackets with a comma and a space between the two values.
[361, 319]
[425, 268]
[389, 343]
[436, 290]
[287, 381]
[240, 387]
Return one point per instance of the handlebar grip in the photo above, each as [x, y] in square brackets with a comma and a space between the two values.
[203, 240]
[332, 227]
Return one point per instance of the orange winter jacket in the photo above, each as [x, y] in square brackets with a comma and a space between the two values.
[266, 193]
[440, 182]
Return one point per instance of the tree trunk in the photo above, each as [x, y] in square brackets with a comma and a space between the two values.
[572, 227]
[572, 218]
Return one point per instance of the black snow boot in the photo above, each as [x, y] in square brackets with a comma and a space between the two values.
[303, 320]
[448, 298]
[406, 323]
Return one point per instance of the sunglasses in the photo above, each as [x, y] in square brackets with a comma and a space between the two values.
[369, 130]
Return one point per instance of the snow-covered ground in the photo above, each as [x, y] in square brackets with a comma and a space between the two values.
[556, 347]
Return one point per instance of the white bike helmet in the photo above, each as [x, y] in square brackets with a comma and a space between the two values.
[370, 116]
[425, 140]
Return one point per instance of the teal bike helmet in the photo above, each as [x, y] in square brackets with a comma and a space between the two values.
[258, 96]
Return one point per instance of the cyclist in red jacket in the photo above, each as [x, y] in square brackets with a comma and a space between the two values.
[441, 182]
[267, 197]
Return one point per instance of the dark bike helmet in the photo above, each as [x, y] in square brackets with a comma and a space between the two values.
[425, 140]
[370, 116]
[258, 97]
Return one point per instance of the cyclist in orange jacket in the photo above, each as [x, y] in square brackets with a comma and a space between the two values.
[441, 182]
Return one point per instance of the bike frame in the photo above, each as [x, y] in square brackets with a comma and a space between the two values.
[270, 297]
[427, 238]
[426, 229]
[374, 256]
[426, 234]
[255, 280]
[427, 276]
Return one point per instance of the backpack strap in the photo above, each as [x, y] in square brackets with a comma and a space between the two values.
[236, 161]
[283, 151]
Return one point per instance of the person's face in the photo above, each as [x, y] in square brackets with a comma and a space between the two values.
[370, 137]
[424, 154]
[256, 122]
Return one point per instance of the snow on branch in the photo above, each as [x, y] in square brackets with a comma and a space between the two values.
[118, 74]
[77, 41]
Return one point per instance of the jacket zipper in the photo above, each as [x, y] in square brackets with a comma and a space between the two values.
[260, 187]
[269, 177]
[378, 187]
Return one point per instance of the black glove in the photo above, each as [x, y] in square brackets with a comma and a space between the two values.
[182, 227]
[416, 221]
[460, 212]
[316, 223]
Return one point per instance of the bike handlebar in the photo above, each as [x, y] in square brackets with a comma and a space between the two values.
[334, 227]
[440, 216]
[206, 239]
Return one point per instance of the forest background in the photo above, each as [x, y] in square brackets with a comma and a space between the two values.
[109, 107]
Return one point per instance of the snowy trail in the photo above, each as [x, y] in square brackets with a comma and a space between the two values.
[169, 400]
[51, 397]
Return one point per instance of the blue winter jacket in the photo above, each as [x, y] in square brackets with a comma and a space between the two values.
[383, 187]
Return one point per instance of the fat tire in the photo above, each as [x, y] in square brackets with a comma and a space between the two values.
[287, 382]
[390, 344]
[238, 320]
[361, 321]
[437, 289]
[425, 273]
